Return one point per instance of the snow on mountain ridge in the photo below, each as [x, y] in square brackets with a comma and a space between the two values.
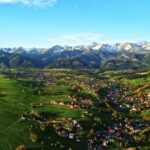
[95, 46]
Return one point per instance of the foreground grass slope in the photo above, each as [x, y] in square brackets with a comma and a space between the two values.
[12, 106]
[15, 99]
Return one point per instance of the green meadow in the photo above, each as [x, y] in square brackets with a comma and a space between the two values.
[16, 98]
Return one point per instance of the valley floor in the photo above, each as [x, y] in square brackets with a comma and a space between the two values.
[74, 110]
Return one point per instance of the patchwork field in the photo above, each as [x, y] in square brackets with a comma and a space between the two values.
[73, 110]
[15, 100]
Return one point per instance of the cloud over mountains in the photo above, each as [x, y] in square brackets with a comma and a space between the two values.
[75, 39]
[34, 3]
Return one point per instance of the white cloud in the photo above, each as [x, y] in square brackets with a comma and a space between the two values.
[35, 3]
[76, 39]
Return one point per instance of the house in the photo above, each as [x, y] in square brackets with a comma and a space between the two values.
[71, 136]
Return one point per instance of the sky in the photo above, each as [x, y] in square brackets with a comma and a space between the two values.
[44, 23]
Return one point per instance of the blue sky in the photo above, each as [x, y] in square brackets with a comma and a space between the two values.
[33, 23]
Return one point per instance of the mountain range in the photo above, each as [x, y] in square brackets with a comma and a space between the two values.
[129, 55]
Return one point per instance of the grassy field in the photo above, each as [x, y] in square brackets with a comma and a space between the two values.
[12, 105]
[15, 99]
[129, 77]
[146, 114]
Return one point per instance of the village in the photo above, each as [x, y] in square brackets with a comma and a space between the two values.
[109, 111]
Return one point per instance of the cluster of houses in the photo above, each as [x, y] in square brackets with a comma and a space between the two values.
[68, 129]
[72, 105]
[121, 99]
[122, 133]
